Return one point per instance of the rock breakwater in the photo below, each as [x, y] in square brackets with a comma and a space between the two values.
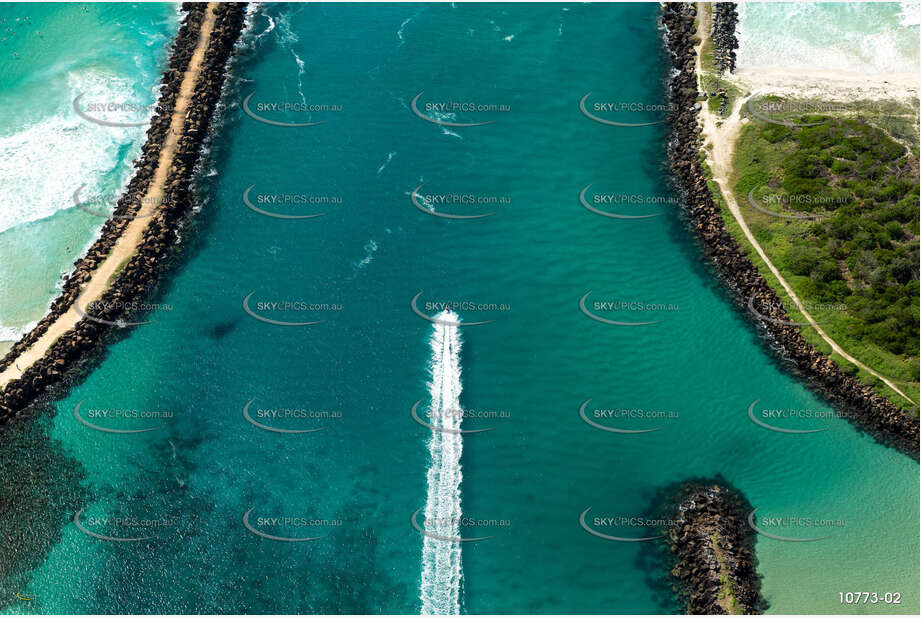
[859, 403]
[141, 272]
[713, 551]
[725, 42]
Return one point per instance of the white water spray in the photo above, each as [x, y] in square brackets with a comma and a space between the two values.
[441, 559]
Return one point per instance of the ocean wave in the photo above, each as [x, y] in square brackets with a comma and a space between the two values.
[43, 163]
[910, 13]
[441, 559]
[15, 333]
[855, 37]
[249, 38]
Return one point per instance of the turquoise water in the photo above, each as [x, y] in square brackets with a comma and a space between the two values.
[50, 54]
[359, 371]
[874, 37]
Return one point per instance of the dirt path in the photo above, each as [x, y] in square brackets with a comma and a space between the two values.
[133, 233]
[721, 140]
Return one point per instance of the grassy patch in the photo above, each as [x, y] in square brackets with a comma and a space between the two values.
[855, 265]
[118, 270]
[122, 265]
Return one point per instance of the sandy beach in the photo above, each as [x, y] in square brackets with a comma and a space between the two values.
[826, 84]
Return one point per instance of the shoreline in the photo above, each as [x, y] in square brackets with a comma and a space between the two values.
[123, 265]
[867, 410]
[720, 135]
[827, 84]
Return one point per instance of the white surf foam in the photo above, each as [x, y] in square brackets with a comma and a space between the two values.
[15, 333]
[869, 38]
[403, 25]
[441, 559]
[370, 248]
[43, 163]
[386, 163]
[287, 38]
[910, 13]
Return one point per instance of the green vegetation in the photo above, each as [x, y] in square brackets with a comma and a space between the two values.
[118, 269]
[855, 263]
[123, 263]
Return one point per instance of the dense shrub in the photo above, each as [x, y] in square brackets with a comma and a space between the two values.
[864, 251]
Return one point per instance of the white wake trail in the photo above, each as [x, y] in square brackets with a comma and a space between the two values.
[441, 559]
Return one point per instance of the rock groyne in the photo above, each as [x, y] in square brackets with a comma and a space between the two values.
[140, 273]
[725, 17]
[713, 551]
[860, 404]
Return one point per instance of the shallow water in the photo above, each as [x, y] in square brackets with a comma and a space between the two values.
[872, 37]
[357, 481]
[49, 55]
